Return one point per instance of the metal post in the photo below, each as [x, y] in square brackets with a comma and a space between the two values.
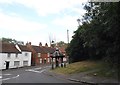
[52, 64]
[61, 61]
[57, 64]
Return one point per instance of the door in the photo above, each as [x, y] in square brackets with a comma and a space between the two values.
[7, 64]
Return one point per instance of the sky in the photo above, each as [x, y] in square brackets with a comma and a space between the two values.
[39, 20]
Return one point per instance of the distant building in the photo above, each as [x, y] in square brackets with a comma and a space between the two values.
[40, 54]
[25, 55]
[13, 56]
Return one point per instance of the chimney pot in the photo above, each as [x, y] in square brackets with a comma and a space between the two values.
[40, 44]
[46, 45]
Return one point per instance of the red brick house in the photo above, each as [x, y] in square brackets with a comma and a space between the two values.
[40, 54]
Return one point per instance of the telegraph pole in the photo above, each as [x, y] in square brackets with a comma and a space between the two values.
[68, 36]
[68, 44]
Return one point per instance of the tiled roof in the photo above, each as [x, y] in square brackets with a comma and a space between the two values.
[43, 49]
[24, 48]
[49, 49]
[8, 48]
[38, 49]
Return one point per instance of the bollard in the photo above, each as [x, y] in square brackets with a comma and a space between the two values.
[64, 64]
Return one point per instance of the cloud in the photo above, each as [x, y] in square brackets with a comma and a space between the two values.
[45, 7]
[67, 22]
[16, 23]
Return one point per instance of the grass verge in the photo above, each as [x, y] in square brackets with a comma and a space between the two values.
[77, 67]
[83, 66]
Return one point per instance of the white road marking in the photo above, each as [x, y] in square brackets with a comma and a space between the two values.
[31, 70]
[42, 71]
[9, 78]
[37, 68]
[0, 77]
[7, 74]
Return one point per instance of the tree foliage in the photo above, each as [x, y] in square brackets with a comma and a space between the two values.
[98, 36]
[62, 44]
[10, 40]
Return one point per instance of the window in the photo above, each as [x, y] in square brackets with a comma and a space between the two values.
[25, 63]
[16, 63]
[48, 60]
[39, 54]
[26, 54]
[16, 55]
[48, 54]
[8, 55]
[40, 60]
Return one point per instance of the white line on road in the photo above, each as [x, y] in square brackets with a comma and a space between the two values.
[0, 77]
[37, 68]
[7, 74]
[9, 78]
[36, 71]
[33, 69]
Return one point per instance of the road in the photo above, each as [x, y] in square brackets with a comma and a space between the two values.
[31, 75]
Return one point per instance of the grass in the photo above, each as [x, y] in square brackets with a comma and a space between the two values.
[83, 66]
[106, 71]
[77, 67]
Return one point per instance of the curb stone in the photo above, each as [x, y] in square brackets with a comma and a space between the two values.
[75, 80]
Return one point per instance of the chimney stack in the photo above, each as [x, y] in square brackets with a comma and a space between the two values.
[46, 45]
[29, 43]
[40, 44]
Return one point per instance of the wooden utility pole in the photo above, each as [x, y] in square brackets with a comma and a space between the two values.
[68, 36]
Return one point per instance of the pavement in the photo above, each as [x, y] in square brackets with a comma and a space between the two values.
[86, 79]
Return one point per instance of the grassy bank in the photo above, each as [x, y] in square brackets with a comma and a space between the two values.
[77, 67]
[83, 66]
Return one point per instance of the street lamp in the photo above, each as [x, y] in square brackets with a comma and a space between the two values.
[78, 20]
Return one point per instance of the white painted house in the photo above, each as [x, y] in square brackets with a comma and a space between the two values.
[25, 55]
[13, 56]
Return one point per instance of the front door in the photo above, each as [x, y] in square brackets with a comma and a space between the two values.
[7, 64]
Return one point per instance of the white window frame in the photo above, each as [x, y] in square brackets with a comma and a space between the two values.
[26, 54]
[39, 54]
[40, 60]
[8, 55]
[25, 63]
[48, 60]
[16, 55]
[48, 54]
[17, 64]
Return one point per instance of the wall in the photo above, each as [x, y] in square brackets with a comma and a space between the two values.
[46, 57]
[21, 58]
[4, 58]
[0, 60]
[27, 58]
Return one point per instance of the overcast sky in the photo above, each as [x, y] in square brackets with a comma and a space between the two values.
[38, 20]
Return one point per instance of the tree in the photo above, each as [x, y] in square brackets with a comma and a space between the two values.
[62, 44]
[98, 36]
[10, 40]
